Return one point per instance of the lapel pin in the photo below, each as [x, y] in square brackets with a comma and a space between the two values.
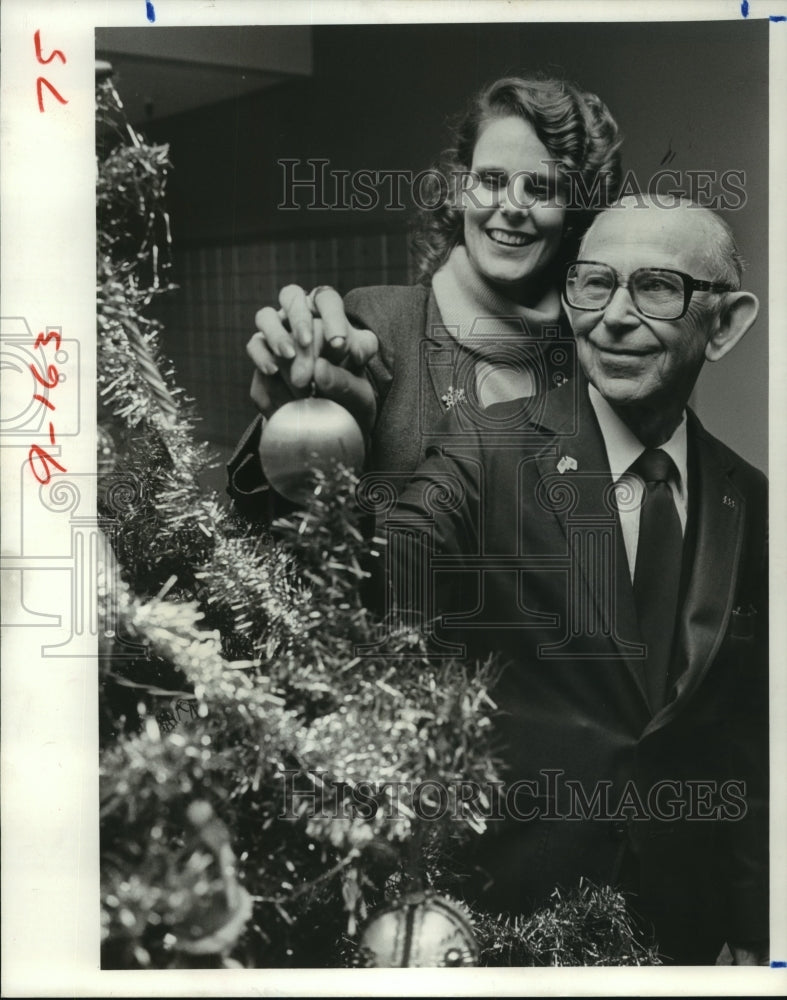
[566, 464]
[728, 501]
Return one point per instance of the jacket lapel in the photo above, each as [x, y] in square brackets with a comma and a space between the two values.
[441, 353]
[577, 447]
[721, 509]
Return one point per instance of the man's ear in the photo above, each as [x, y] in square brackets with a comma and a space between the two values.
[738, 313]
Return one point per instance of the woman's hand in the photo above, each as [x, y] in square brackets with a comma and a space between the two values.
[310, 340]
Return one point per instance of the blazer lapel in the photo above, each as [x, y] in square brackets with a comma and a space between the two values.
[441, 354]
[711, 588]
[578, 458]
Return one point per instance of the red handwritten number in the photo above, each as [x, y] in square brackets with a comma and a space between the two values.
[41, 82]
[44, 400]
[44, 338]
[36, 451]
[41, 463]
[51, 373]
[39, 56]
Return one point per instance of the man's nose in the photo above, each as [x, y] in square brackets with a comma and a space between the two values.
[620, 311]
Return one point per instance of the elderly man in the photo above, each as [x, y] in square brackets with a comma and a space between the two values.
[612, 552]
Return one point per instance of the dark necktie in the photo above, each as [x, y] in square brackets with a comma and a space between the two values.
[657, 569]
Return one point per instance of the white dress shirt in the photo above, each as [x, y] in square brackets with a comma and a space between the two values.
[623, 449]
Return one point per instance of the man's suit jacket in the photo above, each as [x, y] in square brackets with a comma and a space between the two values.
[528, 554]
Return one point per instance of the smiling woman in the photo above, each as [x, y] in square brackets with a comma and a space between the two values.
[572, 144]
[514, 227]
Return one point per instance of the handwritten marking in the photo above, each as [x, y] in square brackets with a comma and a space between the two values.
[36, 451]
[38, 458]
[150, 11]
[778, 965]
[51, 374]
[44, 400]
[771, 17]
[39, 54]
[59, 96]
[42, 82]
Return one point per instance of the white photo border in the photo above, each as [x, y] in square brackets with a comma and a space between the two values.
[50, 891]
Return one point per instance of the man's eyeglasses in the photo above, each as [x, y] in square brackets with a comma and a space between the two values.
[657, 292]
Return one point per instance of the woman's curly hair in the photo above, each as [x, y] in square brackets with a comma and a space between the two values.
[576, 128]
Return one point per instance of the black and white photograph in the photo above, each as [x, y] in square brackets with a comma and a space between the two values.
[393, 561]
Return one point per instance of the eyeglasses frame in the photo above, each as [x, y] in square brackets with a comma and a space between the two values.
[690, 285]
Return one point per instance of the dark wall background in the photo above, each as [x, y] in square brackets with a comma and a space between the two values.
[693, 93]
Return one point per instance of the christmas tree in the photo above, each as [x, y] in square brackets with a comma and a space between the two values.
[258, 776]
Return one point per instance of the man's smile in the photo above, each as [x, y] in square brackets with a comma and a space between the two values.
[624, 352]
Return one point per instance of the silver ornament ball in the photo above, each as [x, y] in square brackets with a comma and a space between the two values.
[422, 930]
[306, 435]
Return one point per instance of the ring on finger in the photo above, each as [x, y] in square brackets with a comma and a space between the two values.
[311, 298]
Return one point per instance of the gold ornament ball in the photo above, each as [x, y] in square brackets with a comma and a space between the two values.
[306, 435]
[419, 931]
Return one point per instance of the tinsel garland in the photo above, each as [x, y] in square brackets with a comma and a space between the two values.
[230, 682]
[589, 925]
[230, 625]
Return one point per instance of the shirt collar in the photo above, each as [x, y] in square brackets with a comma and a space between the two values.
[624, 447]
